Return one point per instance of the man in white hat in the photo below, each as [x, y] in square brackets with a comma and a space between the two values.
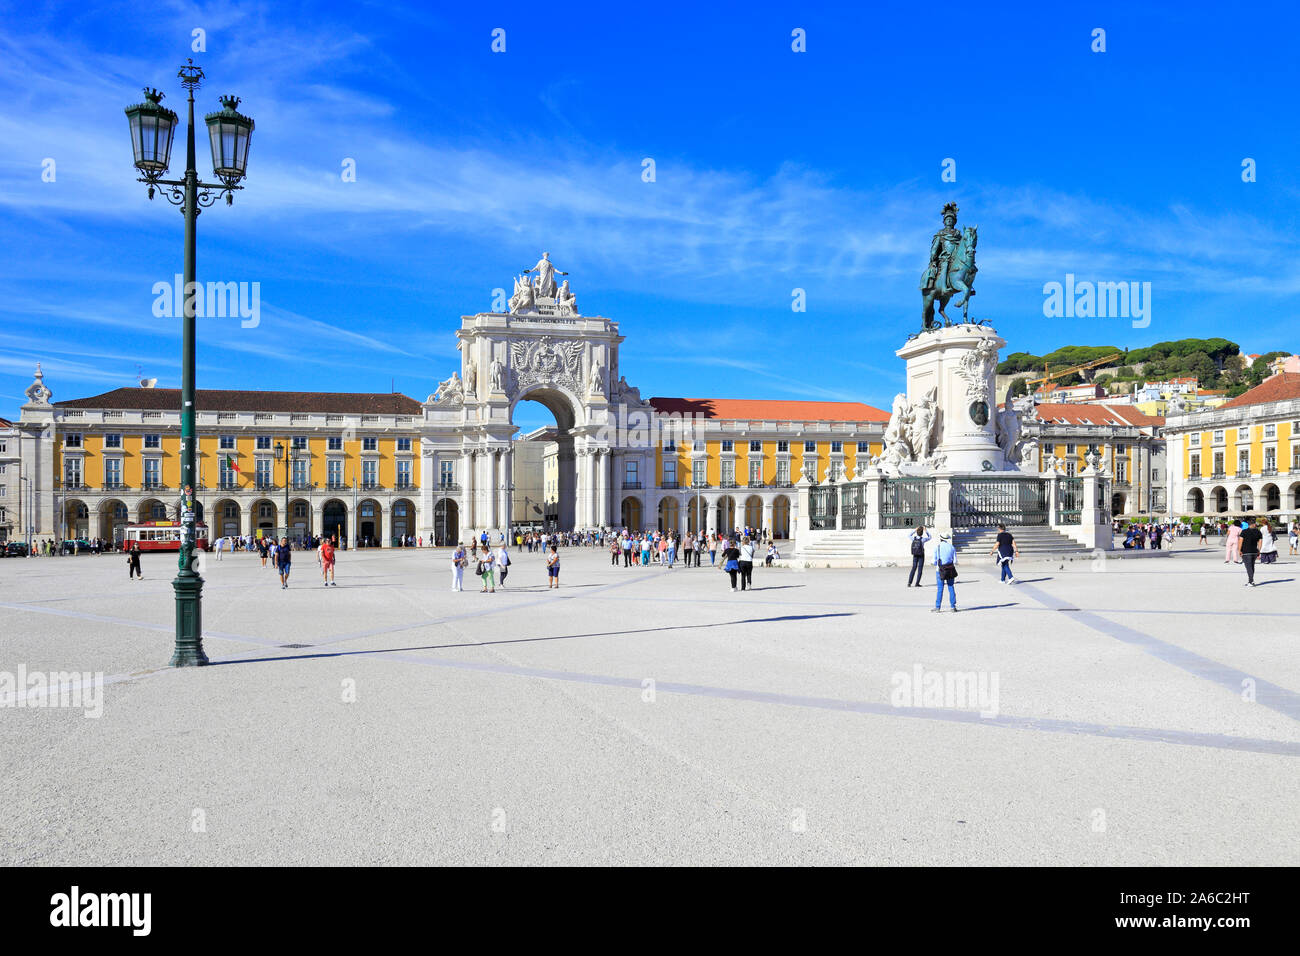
[945, 572]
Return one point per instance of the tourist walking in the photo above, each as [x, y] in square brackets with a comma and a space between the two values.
[1204, 525]
[1232, 545]
[552, 568]
[502, 563]
[1007, 551]
[486, 571]
[458, 562]
[133, 562]
[1250, 541]
[731, 562]
[325, 554]
[746, 564]
[945, 572]
[1268, 544]
[1293, 536]
[283, 560]
[916, 542]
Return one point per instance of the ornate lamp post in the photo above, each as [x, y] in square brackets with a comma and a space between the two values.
[152, 128]
[279, 454]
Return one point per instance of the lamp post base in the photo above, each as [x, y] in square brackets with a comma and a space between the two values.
[189, 621]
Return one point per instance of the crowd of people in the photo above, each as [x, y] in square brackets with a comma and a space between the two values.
[737, 553]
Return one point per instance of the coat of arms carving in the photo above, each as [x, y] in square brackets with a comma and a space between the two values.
[547, 361]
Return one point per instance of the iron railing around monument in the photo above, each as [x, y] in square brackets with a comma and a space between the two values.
[853, 507]
[1069, 500]
[906, 502]
[986, 502]
[823, 504]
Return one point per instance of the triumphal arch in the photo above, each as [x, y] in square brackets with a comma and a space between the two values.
[540, 348]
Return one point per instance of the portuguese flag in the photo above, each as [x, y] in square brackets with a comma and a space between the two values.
[230, 463]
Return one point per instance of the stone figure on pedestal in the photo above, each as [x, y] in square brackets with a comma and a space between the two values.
[596, 384]
[1008, 431]
[950, 271]
[471, 377]
[545, 276]
[920, 432]
[524, 297]
[566, 302]
[497, 371]
[451, 391]
[623, 392]
[898, 447]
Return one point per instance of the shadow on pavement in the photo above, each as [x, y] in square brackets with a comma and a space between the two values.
[532, 640]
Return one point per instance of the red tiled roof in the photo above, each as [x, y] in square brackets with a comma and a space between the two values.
[1280, 387]
[752, 409]
[1099, 414]
[227, 400]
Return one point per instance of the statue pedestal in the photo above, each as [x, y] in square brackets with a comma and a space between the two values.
[959, 363]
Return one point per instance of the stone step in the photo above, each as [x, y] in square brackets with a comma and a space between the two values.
[1035, 541]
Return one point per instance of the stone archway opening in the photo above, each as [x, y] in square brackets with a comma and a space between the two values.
[1272, 497]
[669, 515]
[76, 519]
[446, 522]
[631, 513]
[781, 517]
[113, 519]
[559, 456]
[227, 519]
[726, 515]
[334, 520]
[403, 521]
[370, 525]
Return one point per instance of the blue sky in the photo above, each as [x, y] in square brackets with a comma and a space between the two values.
[775, 170]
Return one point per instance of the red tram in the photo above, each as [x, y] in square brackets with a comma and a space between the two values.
[162, 536]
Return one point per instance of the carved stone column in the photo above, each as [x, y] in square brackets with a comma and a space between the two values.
[602, 487]
[467, 489]
[582, 513]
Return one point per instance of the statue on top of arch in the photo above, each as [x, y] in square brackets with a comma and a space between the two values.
[540, 294]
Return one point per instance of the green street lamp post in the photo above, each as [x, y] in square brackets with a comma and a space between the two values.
[152, 128]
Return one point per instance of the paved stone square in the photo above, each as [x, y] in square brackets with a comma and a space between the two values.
[1143, 712]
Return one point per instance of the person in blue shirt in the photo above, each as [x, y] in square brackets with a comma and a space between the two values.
[945, 557]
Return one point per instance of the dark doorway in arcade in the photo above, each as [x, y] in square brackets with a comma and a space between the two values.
[334, 521]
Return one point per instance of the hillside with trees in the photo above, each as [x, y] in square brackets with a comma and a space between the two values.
[1215, 363]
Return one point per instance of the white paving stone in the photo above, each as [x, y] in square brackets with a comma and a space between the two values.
[528, 707]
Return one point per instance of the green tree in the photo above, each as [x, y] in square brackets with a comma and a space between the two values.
[1019, 362]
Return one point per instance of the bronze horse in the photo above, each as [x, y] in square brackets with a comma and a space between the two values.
[956, 280]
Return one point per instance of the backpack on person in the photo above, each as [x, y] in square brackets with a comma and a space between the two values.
[918, 546]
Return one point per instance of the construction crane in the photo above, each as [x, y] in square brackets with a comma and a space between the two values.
[1048, 376]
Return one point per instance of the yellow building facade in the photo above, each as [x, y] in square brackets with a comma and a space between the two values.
[1242, 458]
